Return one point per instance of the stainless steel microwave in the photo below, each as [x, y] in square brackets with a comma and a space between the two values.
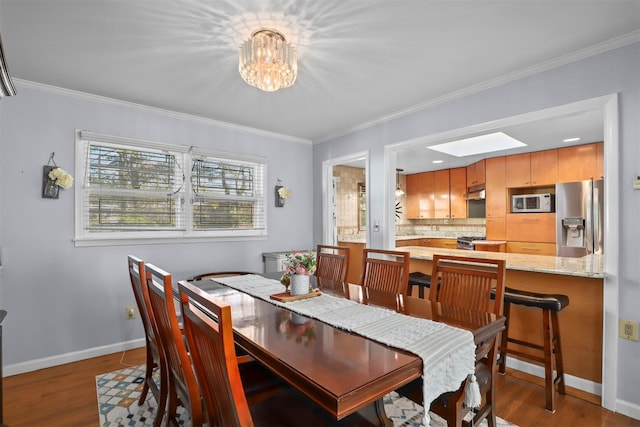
[524, 203]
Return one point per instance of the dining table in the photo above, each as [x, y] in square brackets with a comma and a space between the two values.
[339, 370]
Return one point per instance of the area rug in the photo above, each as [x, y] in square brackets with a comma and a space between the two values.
[119, 391]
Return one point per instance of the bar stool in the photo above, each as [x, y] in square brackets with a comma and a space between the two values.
[551, 305]
[421, 280]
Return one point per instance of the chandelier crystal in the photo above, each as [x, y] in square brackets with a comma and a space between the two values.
[267, 61]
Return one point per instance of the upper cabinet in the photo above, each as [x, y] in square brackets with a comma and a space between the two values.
[476, 174]
[496, 199]
[420, 195]
[437, 194]
[457, 190]
[532, 169]
[581, 162]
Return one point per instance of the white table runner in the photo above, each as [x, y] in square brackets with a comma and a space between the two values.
[448, 353]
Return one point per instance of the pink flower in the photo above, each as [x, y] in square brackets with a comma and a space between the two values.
[301, 270]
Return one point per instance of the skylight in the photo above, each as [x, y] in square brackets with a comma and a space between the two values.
[478, 145]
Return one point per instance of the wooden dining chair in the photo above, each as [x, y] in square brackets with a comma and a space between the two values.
[183, 388]
[332, 262]
[209, 332]
[155, 357]
[385, 270]
[474, 284]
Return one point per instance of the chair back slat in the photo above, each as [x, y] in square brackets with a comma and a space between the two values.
[180, 372]
[332, 262]
[468, 283]
[386, 270]
[208, 329]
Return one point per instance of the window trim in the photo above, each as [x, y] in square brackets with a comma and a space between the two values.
[83, 237]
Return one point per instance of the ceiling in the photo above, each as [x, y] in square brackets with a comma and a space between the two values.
[360, 62]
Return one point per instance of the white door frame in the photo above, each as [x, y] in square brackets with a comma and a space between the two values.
[328, 233]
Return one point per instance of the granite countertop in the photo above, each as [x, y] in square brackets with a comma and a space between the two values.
[354, 238]
[590, 266]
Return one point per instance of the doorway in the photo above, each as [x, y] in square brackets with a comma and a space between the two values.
[345, 202]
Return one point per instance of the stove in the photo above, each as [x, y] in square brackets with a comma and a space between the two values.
[464, 242]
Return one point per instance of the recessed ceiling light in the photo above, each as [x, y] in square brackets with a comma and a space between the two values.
[478, 145]
[571, 140]
[437, 161]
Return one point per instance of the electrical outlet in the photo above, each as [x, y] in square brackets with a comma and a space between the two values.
[130, 312]
[628, 329]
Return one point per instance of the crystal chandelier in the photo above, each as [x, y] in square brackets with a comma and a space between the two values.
[267, 61]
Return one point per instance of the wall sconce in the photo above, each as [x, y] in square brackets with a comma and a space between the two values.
[53, 178]
[282, 193]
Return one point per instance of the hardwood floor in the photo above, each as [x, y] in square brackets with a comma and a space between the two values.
[65, 396]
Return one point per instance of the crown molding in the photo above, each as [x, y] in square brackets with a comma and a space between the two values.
[569, 58]
[145, 108]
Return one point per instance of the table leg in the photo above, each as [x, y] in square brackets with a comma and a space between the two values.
[376, 414]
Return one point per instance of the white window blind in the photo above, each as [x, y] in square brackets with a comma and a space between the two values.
[139, 189]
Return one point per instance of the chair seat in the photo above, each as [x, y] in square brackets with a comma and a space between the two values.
[420, 279]
[553, 302]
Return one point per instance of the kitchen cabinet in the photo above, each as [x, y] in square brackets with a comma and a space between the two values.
[580, 162]
[420, 195]
[531, 248]
[496, 198]
[496, 189]
[531, 227]
[496, 228]
[441, 193]
[476, 174]
[532, 169]
[457, 190]
[600, 160]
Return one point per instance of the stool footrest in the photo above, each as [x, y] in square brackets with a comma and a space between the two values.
[525, 344]
[524, 355]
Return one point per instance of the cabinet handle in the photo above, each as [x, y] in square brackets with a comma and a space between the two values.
[531, 249]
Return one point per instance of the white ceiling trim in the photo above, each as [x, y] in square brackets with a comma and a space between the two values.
[596, 49]
[145, 108]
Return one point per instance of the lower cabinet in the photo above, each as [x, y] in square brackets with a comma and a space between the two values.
[531, 248]
[529, 227]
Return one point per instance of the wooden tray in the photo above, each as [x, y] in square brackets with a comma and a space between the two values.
[286, 296]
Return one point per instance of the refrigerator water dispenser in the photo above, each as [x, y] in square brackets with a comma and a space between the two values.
[573, 232]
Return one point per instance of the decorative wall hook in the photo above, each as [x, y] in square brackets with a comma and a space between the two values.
[53, 178]
[282, 193]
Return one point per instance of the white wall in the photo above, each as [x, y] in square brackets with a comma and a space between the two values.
[616, 71]
[66, 302]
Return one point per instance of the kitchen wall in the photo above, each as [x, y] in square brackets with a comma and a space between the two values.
[612, 72]
[347, 201]
[66, 303]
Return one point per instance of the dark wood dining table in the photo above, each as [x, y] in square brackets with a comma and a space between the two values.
[340, 371]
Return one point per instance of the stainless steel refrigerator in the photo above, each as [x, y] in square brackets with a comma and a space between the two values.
[580, 218]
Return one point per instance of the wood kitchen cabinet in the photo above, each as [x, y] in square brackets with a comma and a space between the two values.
[457, 190]
[441, 193]
[476, 174]
[580, 162]
[531, 248]
[496, 198]
[532, 169]
[531, 227]
[420, 195]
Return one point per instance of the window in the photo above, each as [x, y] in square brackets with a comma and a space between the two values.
[130, 189]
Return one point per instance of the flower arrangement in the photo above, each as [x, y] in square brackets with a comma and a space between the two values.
[61, 178]
[299, 262]
[284, 192]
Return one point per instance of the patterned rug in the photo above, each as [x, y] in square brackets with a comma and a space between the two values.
[119, 391]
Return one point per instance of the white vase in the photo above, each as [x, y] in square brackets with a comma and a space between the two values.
[299, 284]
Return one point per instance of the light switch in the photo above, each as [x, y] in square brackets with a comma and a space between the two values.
[636, 182]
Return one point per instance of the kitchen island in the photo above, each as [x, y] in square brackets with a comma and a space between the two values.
[581, 323]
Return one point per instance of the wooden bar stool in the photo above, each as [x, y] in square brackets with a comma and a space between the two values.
[551, 305]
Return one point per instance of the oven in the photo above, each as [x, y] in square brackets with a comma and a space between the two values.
[466, 242]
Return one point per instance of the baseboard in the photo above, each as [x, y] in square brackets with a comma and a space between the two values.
[48, 362]
[630, 409]
[569, 380]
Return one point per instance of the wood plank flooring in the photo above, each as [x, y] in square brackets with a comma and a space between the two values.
[65, 396]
